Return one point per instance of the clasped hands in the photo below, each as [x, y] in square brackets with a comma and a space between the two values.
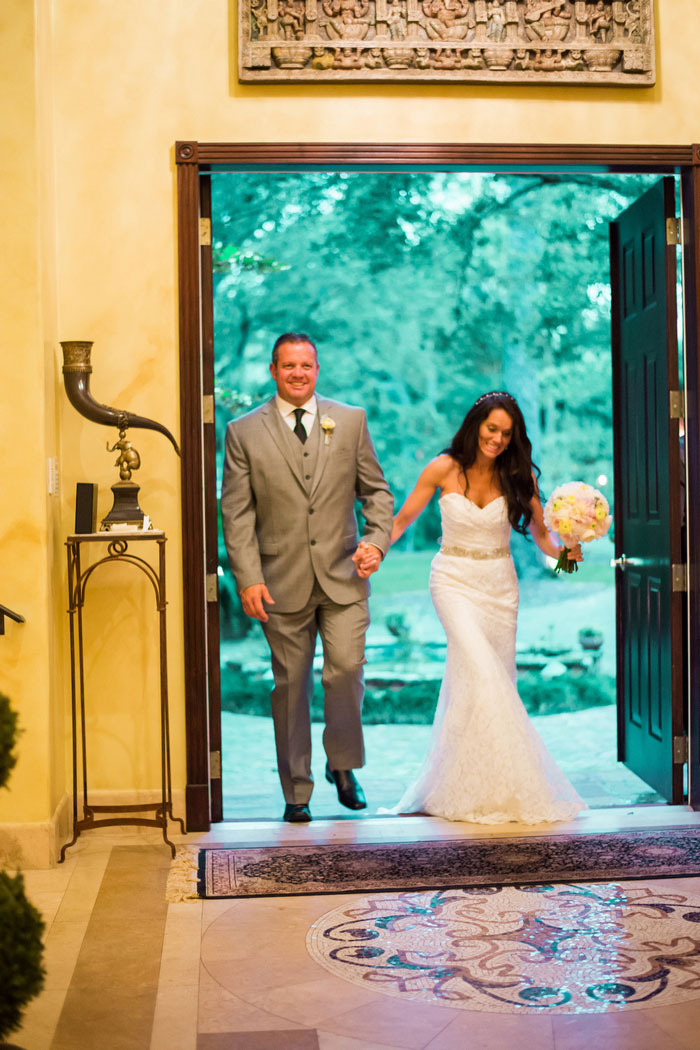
[367, 559]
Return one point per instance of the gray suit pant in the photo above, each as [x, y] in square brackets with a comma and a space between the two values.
[292, 641]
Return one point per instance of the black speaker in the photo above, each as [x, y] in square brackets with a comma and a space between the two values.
[85, 507]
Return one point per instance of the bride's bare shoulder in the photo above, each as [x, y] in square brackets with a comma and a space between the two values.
[439, 473]
[441, 468]
[443, 464]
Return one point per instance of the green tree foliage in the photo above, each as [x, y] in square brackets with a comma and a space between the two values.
[422, 290]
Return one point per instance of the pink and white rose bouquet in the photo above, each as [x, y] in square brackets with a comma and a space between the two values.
[578, 513]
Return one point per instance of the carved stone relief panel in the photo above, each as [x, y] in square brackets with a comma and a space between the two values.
[509, 41]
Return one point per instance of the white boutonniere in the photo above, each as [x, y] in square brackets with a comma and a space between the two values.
[327, 426]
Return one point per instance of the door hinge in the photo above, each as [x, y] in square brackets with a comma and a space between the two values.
[674, 231]
[205, 232]
[215, 765]
[675, 404]
[212, 587]
[679, 579]
[207, 408]
[680, 750]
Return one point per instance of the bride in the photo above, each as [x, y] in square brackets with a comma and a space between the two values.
[485, 762]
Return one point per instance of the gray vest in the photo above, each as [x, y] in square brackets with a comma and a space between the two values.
[307, 454]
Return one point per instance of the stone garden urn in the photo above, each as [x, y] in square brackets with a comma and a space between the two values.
[590, 638]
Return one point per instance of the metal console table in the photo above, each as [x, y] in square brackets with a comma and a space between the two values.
[117, 552]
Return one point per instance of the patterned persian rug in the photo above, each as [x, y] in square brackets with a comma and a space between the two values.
[275, 871]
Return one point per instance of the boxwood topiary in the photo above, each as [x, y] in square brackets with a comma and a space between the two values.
[21, 925]
[8, 736]
[21, 951]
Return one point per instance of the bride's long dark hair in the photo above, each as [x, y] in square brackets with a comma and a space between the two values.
[514, 466]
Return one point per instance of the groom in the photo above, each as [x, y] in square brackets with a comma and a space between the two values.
[293, 470]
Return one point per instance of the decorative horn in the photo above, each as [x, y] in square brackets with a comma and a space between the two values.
[76, 373]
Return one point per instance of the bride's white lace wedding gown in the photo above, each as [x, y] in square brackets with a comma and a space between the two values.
[485, 763]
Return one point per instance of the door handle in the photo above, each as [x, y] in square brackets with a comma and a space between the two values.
[623, 562]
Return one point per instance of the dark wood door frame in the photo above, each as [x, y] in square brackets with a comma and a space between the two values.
[194, 160]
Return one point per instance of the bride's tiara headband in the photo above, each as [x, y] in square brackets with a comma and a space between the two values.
[493, 393]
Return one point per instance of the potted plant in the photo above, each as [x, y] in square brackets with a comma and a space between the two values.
[21, 925]
[590, 638]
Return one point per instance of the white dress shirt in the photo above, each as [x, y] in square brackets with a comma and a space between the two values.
[287, 412]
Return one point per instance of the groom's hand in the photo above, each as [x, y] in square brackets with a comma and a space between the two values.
[252, 599]
[367, 559]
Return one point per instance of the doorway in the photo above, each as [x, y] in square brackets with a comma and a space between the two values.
[204, 195]
[422, 290]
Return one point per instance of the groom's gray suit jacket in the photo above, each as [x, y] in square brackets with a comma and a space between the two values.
[288, 509]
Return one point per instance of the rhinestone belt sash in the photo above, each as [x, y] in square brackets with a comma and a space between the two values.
[478, 555]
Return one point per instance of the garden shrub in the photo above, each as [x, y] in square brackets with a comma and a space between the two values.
[567, 692]
[413, 703]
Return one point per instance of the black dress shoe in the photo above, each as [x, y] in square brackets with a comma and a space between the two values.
[350, 794]
[297, 813]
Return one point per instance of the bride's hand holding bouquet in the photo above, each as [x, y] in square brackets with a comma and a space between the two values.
[578, 513]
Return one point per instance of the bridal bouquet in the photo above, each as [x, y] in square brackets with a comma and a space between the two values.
[578, 513]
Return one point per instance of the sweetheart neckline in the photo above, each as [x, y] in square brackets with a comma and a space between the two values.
[462, 496]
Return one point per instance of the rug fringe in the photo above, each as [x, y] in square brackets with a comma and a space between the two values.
[183, 875]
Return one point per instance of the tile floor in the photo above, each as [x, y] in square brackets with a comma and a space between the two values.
[128, 972]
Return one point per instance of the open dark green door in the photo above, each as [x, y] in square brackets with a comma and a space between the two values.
[651, 715]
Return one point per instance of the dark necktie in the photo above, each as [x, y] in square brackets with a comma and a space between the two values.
[299, 426]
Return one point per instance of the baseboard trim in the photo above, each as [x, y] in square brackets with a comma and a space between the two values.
[38, 844]
[35, 844]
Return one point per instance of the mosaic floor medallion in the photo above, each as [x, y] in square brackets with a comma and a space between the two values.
[564, 949]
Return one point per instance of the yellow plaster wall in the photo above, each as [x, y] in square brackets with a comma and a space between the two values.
[94, 96]
[29, 664]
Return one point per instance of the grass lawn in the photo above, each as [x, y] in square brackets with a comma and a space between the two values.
[594, 571]
[402, 571]
[552, 611]
[410, 570]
